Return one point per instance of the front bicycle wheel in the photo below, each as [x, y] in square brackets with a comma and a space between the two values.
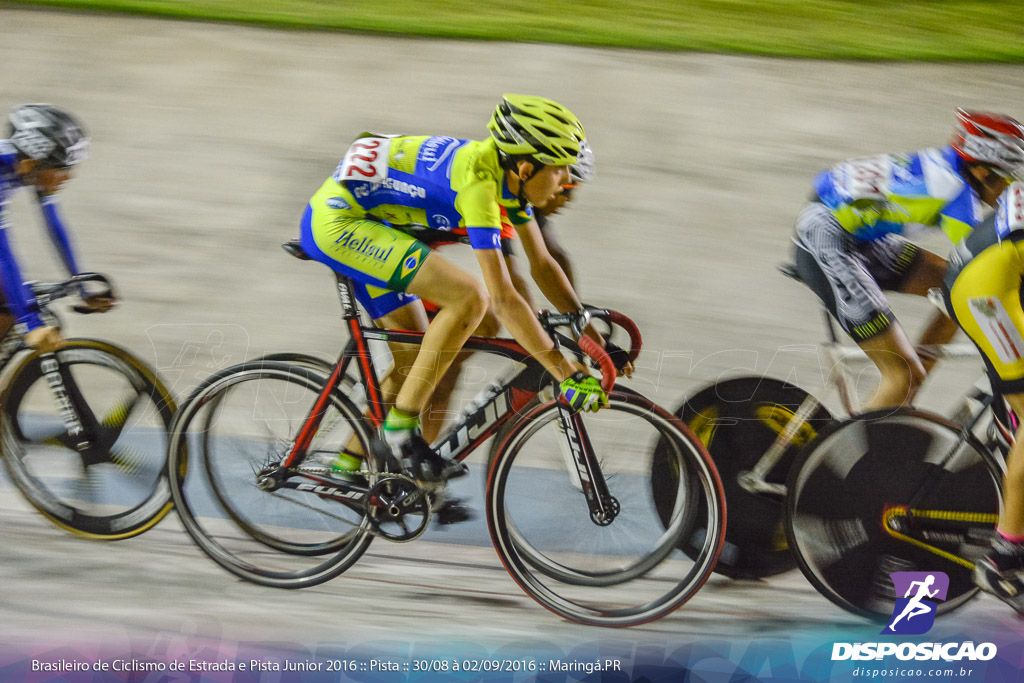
[738, 420]
[113, 487]
[612, 572]
[891, 491]
[234, 431]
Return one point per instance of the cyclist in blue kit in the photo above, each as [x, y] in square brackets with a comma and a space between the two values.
[43, 145]
[849, 248]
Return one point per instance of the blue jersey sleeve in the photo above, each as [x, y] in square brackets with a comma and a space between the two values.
[484, 238]
[19, 297]
[58, 233]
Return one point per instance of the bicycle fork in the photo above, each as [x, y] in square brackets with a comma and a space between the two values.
[585, 469]
[69, 401]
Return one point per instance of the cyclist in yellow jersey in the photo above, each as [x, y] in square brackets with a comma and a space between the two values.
[390, 197]
[434, 416]
[983, 294]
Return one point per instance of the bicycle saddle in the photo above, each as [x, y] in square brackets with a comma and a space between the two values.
[294, 247]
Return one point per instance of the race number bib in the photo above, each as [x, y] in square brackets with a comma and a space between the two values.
[366, 161]
[866, 178]
[1010, 212]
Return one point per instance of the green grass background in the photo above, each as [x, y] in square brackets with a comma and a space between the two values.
[929, 30]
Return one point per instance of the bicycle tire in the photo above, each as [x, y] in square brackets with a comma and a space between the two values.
[559, 572]
[589, 576]
[352, 388]
[117, 490]
[267, 551]
[737, 420]
[845, 487]
[306, 360]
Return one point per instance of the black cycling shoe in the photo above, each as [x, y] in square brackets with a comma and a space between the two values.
[424, 463]
[1001, 573]
[453, 511]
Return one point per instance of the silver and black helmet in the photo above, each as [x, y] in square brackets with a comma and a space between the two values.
[48, 134]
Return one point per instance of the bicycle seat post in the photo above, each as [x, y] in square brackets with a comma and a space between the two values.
[349, 310]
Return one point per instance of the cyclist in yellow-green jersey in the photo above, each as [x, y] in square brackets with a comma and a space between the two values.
[391, 197]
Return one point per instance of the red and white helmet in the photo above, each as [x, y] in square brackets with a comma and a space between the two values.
[995, 140]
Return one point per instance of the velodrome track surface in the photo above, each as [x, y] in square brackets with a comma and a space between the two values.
[209, 139]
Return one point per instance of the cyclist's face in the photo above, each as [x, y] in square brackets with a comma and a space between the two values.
[49, 180]
[561, 199]
[546, 184]
[991, 183]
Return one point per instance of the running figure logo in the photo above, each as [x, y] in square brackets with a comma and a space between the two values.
[914, 613]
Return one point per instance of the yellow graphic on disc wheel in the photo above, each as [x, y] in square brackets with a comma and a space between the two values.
[704, 424]
[776, 418]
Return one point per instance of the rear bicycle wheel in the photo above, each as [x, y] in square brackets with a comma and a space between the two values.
[890, 491]
[115, 488]
[738, 420]
[306, 360]
[351, 387]
[618, 573]
[236, 429]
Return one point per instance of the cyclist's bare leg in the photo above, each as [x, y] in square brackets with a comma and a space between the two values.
[408, 317]
[433, 418]
[897, 361]
[927, 273]
[1011, 522]
[6, 323]
[412, 316]
[463, 302]
[941, 329]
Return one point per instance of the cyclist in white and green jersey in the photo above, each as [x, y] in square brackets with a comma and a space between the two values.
[849, 246]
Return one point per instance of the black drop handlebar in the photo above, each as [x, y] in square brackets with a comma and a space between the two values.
[46, 293]
[577, 322]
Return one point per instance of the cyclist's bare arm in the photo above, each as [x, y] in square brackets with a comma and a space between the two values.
[559, 253]
[518, 281]
[516, 316]
[552, 280]
[61, 240]
[545, 271]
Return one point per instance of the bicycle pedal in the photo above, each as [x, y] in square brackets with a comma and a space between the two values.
[382, 454]
[453, 511]
[427, 466]
[1008, 587]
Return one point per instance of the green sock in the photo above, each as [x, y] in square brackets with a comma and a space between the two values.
[347, 463]
[399, 426]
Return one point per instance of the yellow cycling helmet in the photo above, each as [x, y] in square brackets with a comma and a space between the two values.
[536, 127]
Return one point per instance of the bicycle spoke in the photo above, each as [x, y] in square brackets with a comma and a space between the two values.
[318, 510]
[236, 501]
[133, 461]
[88, 487]
[116, 416]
